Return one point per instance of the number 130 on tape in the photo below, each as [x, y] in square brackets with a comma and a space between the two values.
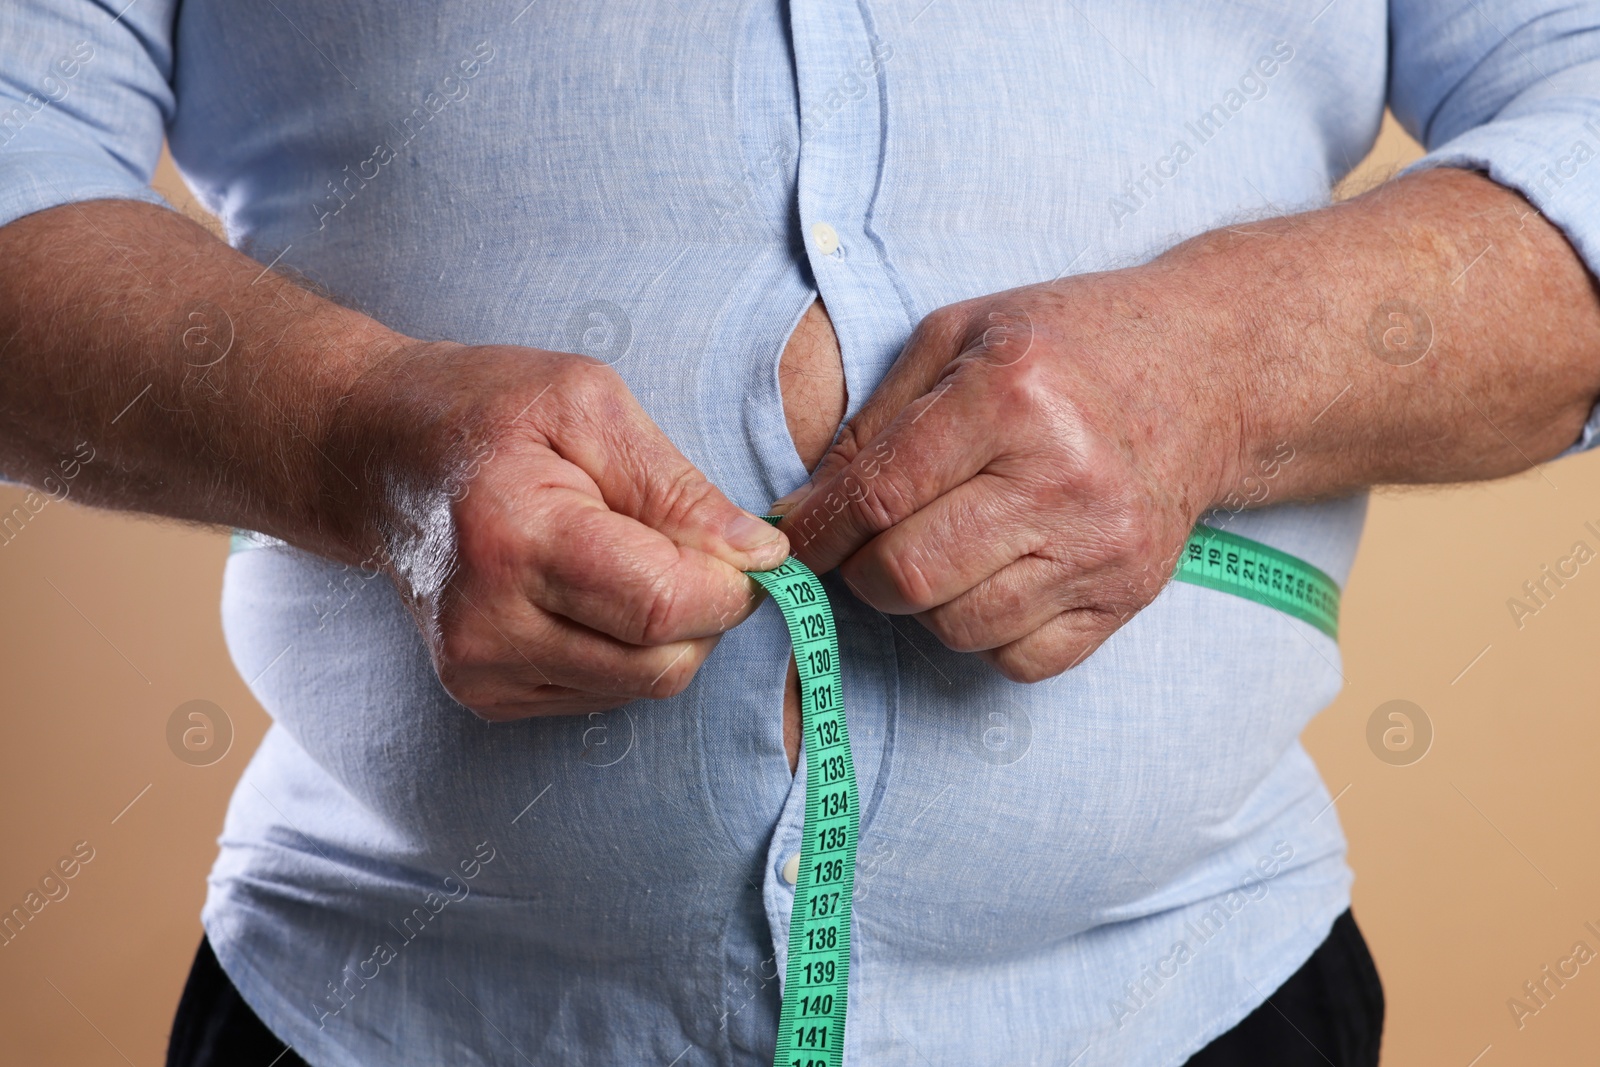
[817, 979]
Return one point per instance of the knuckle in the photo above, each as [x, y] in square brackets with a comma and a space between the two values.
[965, 627]
[1025, 387]
[464, 688]
[935, 319]
[1028, 665]
[1133, 537]
[586, 385]
[1034, 673]
[570, 380]
[583, 374]
[463, 658]
[673, 679]
[939, 325]
[459, 653]
[1055, 650]
[455, 677]
[955, 630]
[681, 496]
[655, 617]
[451, 676]
[907, 578]
[880, 502]
[1115, 534]
[1119, 533]
[1008, 335]
[846, 446]
[493, 712]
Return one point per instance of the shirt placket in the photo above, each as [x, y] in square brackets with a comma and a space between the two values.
[839, 63]
[839, 163]
[842, 66]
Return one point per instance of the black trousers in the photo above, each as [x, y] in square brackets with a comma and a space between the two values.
[1330, 1011]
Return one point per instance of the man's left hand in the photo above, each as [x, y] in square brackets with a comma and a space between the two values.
[1025, 476]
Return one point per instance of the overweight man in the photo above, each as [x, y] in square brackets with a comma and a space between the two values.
[529, 310]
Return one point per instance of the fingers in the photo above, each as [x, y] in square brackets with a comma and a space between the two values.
[946, 497]
[936, 443]
[956, 333]
[509, 660]
[1007, 606]
[936, 341]
[945, 549]
[937, 418]
[1057, 646]
[641, 473]
[591, 562]
[914, 374]
[617, 576]
[547, 701]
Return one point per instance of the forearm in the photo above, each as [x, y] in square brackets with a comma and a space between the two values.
[202, 383]
[1321, 315]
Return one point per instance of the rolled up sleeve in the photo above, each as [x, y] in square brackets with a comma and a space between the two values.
[85, 97]
[1510, 88]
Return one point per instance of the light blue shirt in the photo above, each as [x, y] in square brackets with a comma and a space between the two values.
[1111, 867]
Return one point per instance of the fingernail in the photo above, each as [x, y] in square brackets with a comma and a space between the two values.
[747, 533]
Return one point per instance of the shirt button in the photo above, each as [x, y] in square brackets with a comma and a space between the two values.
[791, 869]
[826, 236]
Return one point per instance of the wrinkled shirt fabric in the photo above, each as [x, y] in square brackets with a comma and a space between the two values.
[1111, 867]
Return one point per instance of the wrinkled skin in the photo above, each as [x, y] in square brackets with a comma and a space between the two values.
[558, 553]
[1024, 478]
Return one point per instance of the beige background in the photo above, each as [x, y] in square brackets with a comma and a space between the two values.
[1475, 867]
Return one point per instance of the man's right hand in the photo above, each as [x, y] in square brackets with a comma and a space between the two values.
[558, 553]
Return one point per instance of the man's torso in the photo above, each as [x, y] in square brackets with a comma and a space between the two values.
[647, 186]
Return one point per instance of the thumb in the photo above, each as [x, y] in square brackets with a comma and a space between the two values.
[643, 475]
[937, 340]
[712, 523]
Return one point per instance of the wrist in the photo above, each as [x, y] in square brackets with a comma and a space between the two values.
[1184, 318]
[1247, 359]
[373, 455]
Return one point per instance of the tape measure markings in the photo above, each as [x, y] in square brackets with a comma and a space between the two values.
[811, 1022]
[817, 979]
[1229, 563]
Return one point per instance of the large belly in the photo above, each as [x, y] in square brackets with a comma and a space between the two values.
[589, 814]
[1022, 813]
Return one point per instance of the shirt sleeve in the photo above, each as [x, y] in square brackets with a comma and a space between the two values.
[85, 97]
[1510, 88]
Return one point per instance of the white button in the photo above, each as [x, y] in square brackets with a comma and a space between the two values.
[791, 869]
[826, 236]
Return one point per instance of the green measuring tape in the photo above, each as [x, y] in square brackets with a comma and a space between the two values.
[1227, 562]
[817, 980]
